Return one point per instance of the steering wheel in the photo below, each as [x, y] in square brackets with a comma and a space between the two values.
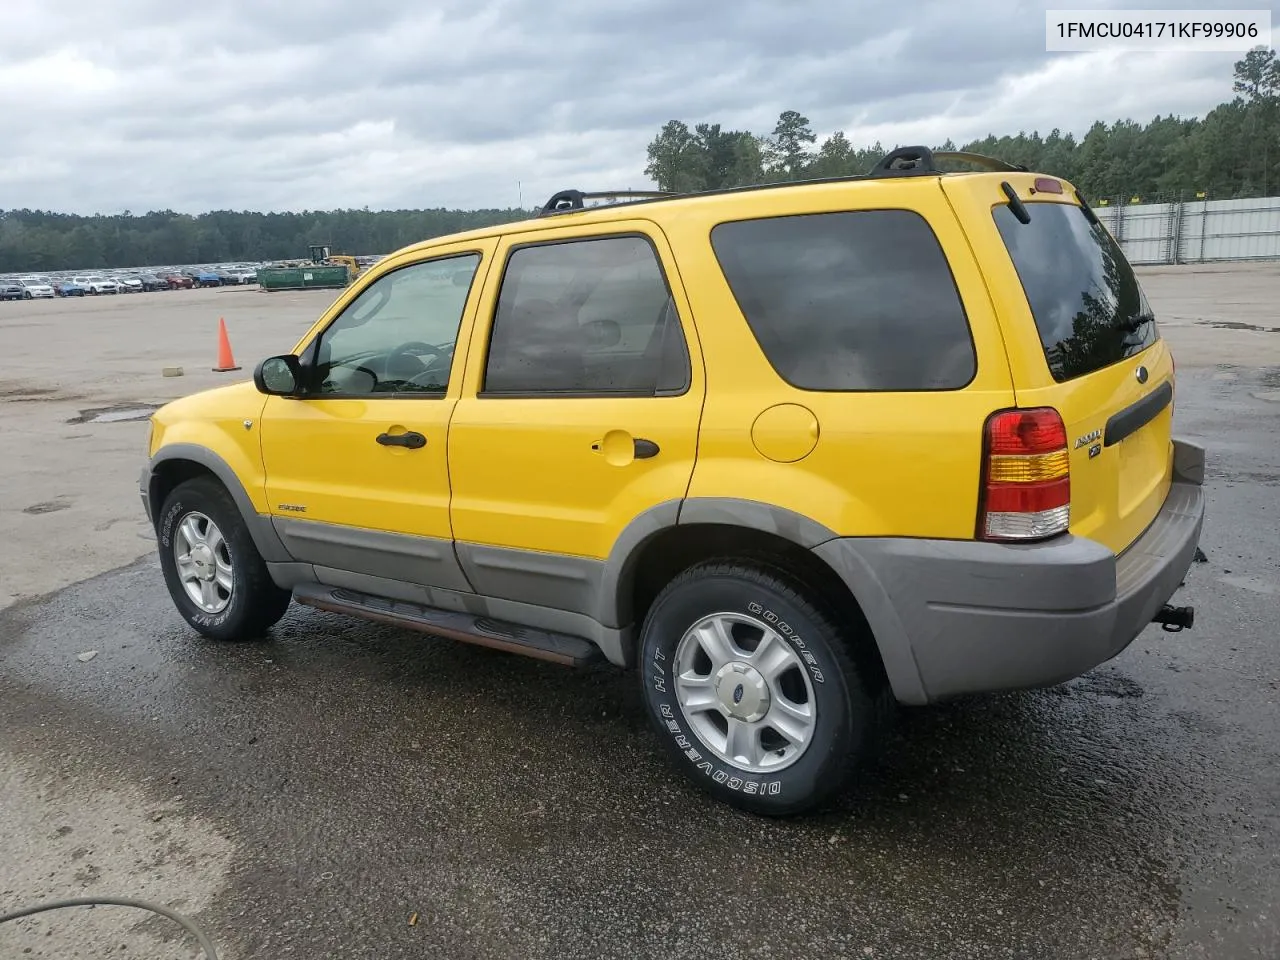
[414, 348]
[334, 388]
[405, 361]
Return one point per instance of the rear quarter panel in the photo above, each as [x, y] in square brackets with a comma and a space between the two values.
[882, 463]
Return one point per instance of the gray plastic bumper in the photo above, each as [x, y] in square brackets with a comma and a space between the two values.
[954, 617]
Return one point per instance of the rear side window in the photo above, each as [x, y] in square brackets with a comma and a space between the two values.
[861, 300]
[1089, 308]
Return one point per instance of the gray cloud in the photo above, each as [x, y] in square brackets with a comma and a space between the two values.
[307, 104]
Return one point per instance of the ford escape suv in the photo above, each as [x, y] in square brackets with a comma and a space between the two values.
[792, 453]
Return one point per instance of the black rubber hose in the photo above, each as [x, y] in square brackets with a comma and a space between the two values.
[205, 944]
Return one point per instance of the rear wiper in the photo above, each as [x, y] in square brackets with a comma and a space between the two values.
[1135, 322]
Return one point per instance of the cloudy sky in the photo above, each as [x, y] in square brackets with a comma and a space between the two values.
[108, 105]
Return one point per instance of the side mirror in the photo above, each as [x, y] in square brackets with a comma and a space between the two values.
[603, 333]
[278, 376]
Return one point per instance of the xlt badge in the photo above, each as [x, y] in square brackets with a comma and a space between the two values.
[1088, 438]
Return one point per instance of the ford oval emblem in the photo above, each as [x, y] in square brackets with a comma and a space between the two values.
[737, 693]
[1141, 374]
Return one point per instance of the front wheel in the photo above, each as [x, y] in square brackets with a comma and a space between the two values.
[215, 575]
[753, 689]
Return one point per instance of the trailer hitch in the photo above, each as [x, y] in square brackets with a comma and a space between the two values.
[1175, 619]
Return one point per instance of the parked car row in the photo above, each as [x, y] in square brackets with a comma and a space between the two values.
[99, 284]
[27, 288]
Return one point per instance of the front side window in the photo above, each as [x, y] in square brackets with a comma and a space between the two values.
[862, 300]
[588, 318]
[398, 336]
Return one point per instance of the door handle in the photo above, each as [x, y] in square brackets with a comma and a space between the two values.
[412, 440]
[645, 448]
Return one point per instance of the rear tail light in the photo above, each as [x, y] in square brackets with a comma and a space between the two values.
[1026, 476]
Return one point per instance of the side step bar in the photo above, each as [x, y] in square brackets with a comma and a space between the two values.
[483, 631]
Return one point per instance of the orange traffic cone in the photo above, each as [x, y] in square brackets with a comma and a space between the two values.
[226, 362]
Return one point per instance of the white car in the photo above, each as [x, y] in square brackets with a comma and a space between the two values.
[99, 284]
[34, 288]
[129, 284]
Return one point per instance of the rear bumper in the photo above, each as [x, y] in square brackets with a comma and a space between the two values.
[956, 617]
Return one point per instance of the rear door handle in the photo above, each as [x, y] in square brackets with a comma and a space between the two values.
[645, 448]
[412, 440]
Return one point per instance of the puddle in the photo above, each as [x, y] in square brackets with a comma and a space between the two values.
[1237, 325]
[118, 414]
[115, 416]
[18, 394]
[47, 506]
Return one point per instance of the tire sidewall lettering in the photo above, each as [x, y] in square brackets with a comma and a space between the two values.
[194, 615]
[170, 523]
[660, 686]
[706, 765]
[788, 633]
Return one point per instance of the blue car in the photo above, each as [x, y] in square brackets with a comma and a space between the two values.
[68, 288]
[207, 278]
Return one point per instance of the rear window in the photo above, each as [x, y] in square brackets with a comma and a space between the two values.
[860, 300]
[1089, 308]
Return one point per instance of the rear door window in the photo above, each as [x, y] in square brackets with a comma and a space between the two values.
[1089, 308]
[590, 317]
[850, 301]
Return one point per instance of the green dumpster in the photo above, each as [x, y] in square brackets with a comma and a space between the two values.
[315, 277]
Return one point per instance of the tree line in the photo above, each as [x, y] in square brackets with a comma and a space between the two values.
[34, 241]
[1232, 152]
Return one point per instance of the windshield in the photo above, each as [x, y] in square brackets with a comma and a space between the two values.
[1089, 308]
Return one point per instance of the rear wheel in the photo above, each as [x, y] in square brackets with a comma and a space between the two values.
[753, 688]
[215, 575]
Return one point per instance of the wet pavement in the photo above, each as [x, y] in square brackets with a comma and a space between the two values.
[337, 782]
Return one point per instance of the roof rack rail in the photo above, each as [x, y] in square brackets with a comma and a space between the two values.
[920, 162]
[566, 201]
[980, 160]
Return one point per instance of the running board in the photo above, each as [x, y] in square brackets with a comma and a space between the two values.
[483, 631]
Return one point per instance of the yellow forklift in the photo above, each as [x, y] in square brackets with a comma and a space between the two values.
[320, 255]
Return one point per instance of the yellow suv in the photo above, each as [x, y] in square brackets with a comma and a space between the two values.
[792, 452]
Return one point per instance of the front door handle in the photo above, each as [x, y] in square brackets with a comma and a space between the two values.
[645, 448]
[412, 440]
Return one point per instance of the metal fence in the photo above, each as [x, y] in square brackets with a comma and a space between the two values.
[1199, 230]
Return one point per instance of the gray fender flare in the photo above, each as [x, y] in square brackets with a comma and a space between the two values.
[614, 605]
[260, 527]
[890, 638]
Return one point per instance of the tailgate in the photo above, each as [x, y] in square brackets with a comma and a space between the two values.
[1119, 425]
[1081, 338]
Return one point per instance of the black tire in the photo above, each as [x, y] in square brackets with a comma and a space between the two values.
[256, 603]
[846, 698]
